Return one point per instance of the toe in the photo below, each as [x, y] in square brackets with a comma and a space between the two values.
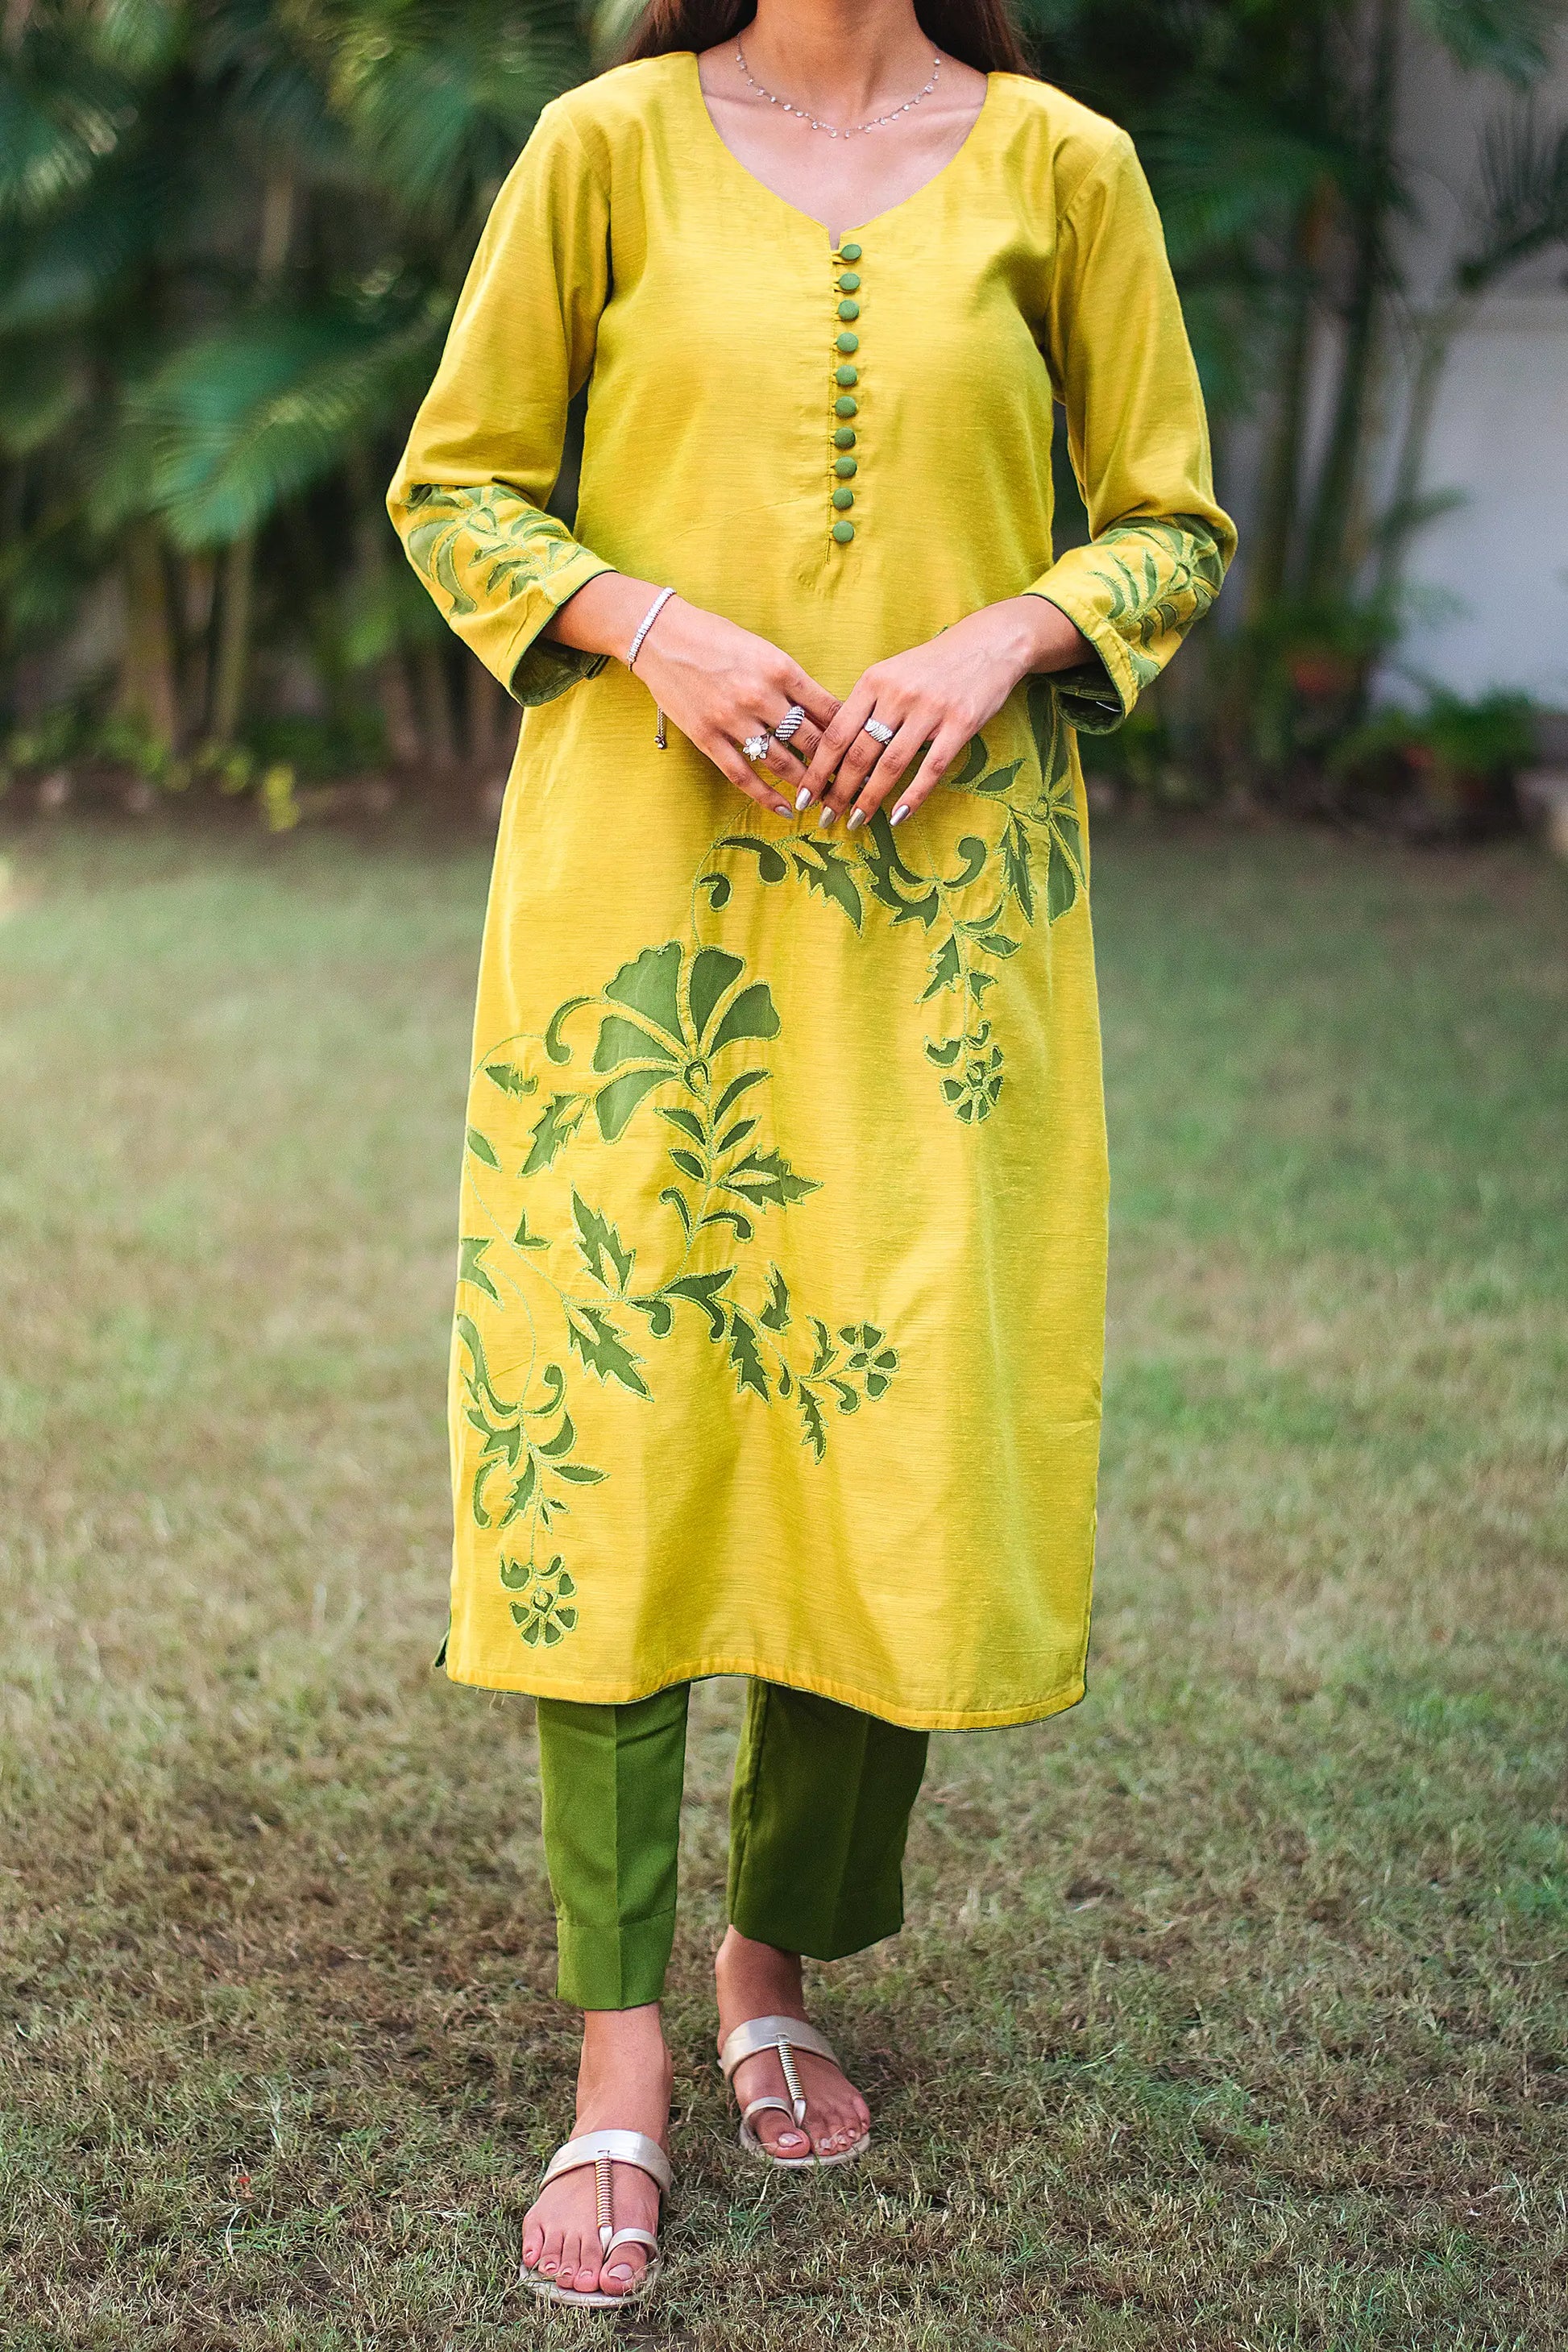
[840, 2128]
[621, 2279]
[549, 2255]
[533, 2244]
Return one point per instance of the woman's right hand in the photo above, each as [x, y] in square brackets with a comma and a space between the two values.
[717, 682]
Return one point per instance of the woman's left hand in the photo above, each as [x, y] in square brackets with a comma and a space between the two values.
[939, 694]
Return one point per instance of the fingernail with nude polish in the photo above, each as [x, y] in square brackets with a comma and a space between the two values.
[856, 819]
[802, 799]
[899, 814]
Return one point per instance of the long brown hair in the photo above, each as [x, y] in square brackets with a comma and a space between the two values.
[982, 33]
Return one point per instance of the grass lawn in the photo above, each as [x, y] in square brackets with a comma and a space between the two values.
[1232, 2009]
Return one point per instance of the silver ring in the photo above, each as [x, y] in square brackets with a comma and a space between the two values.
[877, 732]
[755, 747]
[790, 721]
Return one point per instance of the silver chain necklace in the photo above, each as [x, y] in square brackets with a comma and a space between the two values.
[835, 129]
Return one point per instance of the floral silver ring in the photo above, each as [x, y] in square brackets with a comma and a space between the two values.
[755, 747]
[790, 721]
[879, 732]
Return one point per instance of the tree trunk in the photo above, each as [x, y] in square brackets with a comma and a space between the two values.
[237, 597]
[231, 663]
[1272, 542]
[1335, 508]
[434, 704]
[399, 723]
[394, 699]
[490, 709]
[149, 691]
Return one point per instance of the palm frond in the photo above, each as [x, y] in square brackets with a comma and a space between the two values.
[42, 390]
[256, 412]
[138, 37]
[60, 114]
[440, 99]
[1521, 206]
[59, 273]
[1511, 37]
[1228, 167]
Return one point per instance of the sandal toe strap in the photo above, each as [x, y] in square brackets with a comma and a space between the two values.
[770, 2099]
[783, 2036]
[603, 2148]
[762, 2033]
[631, 2238]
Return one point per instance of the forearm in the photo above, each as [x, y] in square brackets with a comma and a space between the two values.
[603, 617]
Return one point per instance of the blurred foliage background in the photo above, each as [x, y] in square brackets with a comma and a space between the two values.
[231, 236]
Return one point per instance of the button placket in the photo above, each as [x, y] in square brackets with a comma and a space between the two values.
[847, 378]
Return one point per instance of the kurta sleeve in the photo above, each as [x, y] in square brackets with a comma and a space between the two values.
[1123, 368]
[468, 498]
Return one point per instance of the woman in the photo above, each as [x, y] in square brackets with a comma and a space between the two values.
[780, 1328]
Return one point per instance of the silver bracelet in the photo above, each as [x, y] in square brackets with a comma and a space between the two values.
[646, 623]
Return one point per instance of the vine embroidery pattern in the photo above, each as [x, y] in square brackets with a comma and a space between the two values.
[1170, 576]
[676, 1038]
[972, 914]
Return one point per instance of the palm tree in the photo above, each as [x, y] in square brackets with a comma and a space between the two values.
[232, 232]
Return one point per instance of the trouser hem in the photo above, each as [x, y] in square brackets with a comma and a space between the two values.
[624, 1968]
[772, 1924]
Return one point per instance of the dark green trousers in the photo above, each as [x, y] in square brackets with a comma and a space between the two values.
[818, 1816]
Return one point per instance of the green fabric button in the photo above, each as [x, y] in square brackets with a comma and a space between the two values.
[844, 466]
[845, 437]
[844, 406]
[849, 253]
[842, 532]
[850, 283]
[848, 342]
[847, 375]
[843, 497]
[849, 310]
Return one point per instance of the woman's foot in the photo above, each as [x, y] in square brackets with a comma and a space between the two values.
[623, 2084]
[756, 1980]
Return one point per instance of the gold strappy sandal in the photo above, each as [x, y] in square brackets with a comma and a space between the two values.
[785, 2035]
[604, 2150]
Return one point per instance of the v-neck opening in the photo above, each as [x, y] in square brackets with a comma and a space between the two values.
[851, 229]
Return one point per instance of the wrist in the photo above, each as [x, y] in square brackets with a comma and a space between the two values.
[1037, 636]
[603, 615]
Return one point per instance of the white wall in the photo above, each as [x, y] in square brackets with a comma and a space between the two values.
[1493, 575]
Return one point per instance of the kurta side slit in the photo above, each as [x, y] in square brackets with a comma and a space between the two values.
[780, 1322]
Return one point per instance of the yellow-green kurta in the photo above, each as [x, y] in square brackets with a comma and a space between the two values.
[780, 1323]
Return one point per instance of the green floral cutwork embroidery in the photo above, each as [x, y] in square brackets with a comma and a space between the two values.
[1037, 853]
[546, 1612]
[1159, 576]
[519, 1472]
[480, 546]
[475, 548]
[675, 1036]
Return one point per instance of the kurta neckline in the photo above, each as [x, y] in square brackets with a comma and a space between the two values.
[809, 220]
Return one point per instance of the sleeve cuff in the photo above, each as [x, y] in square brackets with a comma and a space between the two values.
[1096, 695]
[534, 668]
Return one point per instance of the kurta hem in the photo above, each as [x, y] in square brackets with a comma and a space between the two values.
[624, 1691]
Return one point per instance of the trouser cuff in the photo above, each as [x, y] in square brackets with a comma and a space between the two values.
[600, 1968]
[769, 1919]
